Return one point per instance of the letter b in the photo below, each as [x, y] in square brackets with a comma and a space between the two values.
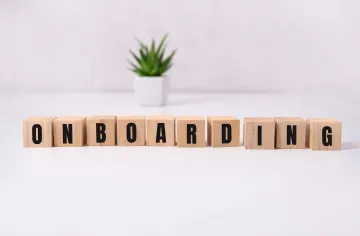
[100, 133]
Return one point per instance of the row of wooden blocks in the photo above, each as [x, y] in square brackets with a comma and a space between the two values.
[190, 131]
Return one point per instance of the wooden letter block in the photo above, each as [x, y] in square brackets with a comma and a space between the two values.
[100, 130]
[131, 130]
[223, 131]
[323, 134]
[38, 132]
[190, 131]
[69, 131]
[259, 133]
[290, 133]
[160, 131]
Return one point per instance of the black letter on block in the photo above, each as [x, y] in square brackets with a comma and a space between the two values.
[100, 133]
[259, 135]
[131, 132]
[37, 134]
[160, 133]
[225, 127]
[67, 133]
[191, 134]
[291, 135]
[327, 138]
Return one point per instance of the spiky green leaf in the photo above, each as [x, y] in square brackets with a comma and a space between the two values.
[159, 49]
[135, 56]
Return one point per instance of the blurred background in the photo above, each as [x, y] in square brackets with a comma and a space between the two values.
[227, 45]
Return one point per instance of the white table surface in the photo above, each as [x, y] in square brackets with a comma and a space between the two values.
[161, 191]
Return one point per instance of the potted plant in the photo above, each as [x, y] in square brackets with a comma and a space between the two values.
[150, 66]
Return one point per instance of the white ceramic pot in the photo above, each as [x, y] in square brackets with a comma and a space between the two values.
[151, 91]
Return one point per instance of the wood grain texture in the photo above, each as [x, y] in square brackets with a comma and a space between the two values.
[216, 125]
[38, 129]
[100, 130]
[324, 134]
[251, 134]
[156, 125]
[126, 125]
[62, 125]
[186, 125]
[290, 133]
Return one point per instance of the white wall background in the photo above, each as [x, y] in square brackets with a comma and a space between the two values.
[49, 45]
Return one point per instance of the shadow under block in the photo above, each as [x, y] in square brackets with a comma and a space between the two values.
[259, 133]
[323, 134]
[69, 131]
[160, 131]
[190, 131]
[223, 131]
[100, 130]
[131, 131]
[38, 132]
[290, 133]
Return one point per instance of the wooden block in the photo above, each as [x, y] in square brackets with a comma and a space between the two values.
[259, 133]
[190, 131]
[323, 134]
[290, 133]
[160, 131]
[131, 131]
[100, 130]
[223, 131]
[69, 131]
[38, 132]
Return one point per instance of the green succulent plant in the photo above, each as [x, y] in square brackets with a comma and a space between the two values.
[151, 60]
